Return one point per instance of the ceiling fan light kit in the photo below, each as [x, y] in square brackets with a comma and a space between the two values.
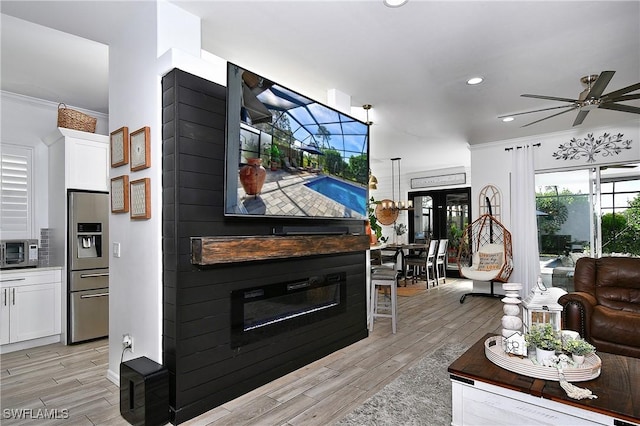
[394, 3]
[589, 99]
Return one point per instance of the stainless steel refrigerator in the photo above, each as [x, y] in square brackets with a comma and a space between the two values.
[88, 266]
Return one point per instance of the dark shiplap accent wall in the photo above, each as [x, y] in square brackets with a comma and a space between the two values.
[204, 371]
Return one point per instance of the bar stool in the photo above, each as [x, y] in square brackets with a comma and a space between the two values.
[382, 277]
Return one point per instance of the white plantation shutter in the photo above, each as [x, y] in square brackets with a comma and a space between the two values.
[17, 192]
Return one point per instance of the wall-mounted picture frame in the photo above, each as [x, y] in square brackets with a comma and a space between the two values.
[140, 192]
[120, 194]
[119, 140]
[140, 145]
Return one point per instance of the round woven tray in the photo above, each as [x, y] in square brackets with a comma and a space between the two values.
[589, 370]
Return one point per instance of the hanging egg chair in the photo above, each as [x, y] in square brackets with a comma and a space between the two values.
[485, 252]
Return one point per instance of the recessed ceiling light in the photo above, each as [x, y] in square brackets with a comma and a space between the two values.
[508, 119]
[475, 80]
[394, 3]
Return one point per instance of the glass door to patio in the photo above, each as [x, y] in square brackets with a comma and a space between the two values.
[441, 214]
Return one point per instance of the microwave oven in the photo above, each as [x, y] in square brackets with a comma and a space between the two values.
[18, 254]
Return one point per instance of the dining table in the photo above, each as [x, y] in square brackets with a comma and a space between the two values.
[411, 249]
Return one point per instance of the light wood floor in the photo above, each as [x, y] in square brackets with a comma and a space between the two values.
[73, 378]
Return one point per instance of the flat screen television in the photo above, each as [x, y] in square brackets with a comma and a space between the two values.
[290, 156]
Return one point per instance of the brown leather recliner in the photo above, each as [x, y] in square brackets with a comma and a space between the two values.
[605, 306]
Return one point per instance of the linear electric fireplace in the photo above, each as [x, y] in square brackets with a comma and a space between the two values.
[261, 312]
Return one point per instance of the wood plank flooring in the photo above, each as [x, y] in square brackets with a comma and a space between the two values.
[72, 379]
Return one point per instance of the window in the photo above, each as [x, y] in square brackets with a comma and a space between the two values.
[592, 212]
[17, 192]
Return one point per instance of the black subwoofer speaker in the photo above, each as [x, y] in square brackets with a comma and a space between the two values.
[144, 392]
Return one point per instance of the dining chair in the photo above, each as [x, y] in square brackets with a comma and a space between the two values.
[425, 260]
[441, 261]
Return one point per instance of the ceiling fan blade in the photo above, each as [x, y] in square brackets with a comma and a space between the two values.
[537, 110]
[550, 98]
[601, 83]
[622, 91]
[619, 107]
[622, 98]
[551, 116]
[580, 117]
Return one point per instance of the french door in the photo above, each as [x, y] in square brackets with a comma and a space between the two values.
[441, 214]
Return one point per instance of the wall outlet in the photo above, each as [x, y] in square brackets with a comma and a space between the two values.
[127, 342]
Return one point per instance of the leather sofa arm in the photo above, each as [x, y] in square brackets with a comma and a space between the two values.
[577, 307]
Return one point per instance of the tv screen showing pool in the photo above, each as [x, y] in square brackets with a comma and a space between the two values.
[290, 156]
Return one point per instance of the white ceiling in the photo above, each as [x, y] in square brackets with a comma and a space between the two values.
[410, 63]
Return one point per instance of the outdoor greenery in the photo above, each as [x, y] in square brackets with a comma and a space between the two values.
[331, 160]
[554, 205]
[621, 231]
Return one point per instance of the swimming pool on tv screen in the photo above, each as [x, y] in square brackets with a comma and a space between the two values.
[348, 195]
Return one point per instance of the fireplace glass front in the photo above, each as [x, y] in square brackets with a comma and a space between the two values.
[261, 312]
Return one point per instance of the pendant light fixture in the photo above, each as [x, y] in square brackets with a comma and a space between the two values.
[373, 181]
[396, 204]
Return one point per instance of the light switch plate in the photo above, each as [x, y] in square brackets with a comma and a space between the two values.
[116, 249]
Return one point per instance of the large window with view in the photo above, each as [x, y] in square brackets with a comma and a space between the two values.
[592, 212]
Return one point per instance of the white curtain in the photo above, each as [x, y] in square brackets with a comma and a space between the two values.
[524, 228]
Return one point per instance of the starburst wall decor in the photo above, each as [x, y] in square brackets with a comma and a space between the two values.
[606, 145]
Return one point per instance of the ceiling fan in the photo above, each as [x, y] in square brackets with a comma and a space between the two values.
[590, 98]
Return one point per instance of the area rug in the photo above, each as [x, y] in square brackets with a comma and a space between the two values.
[420, 396]
[411, 290]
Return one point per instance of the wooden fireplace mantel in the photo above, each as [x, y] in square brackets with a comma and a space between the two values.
[217, 250]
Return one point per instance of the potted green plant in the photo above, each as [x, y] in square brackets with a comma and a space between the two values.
[578, 348]
[399, 230]
[545, 339]
[376, 228]
[275, 156]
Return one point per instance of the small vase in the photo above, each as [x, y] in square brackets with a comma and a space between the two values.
[578, 359]
[252, 176]
[542, 354]
[373, 240]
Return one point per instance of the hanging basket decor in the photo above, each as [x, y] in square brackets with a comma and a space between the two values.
[76, 120]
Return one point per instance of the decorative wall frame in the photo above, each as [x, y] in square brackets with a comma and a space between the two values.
[140, 145]
[140, 199]
[119, 144]
[495, 198]
[446, 179]
[120, 194]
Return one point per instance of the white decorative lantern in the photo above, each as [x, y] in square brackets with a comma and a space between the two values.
[541, 307]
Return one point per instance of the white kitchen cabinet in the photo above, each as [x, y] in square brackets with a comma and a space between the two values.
[79, 159]
[30, 305]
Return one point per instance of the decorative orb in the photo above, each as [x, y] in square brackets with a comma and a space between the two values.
[511, 323]
[513, 310]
